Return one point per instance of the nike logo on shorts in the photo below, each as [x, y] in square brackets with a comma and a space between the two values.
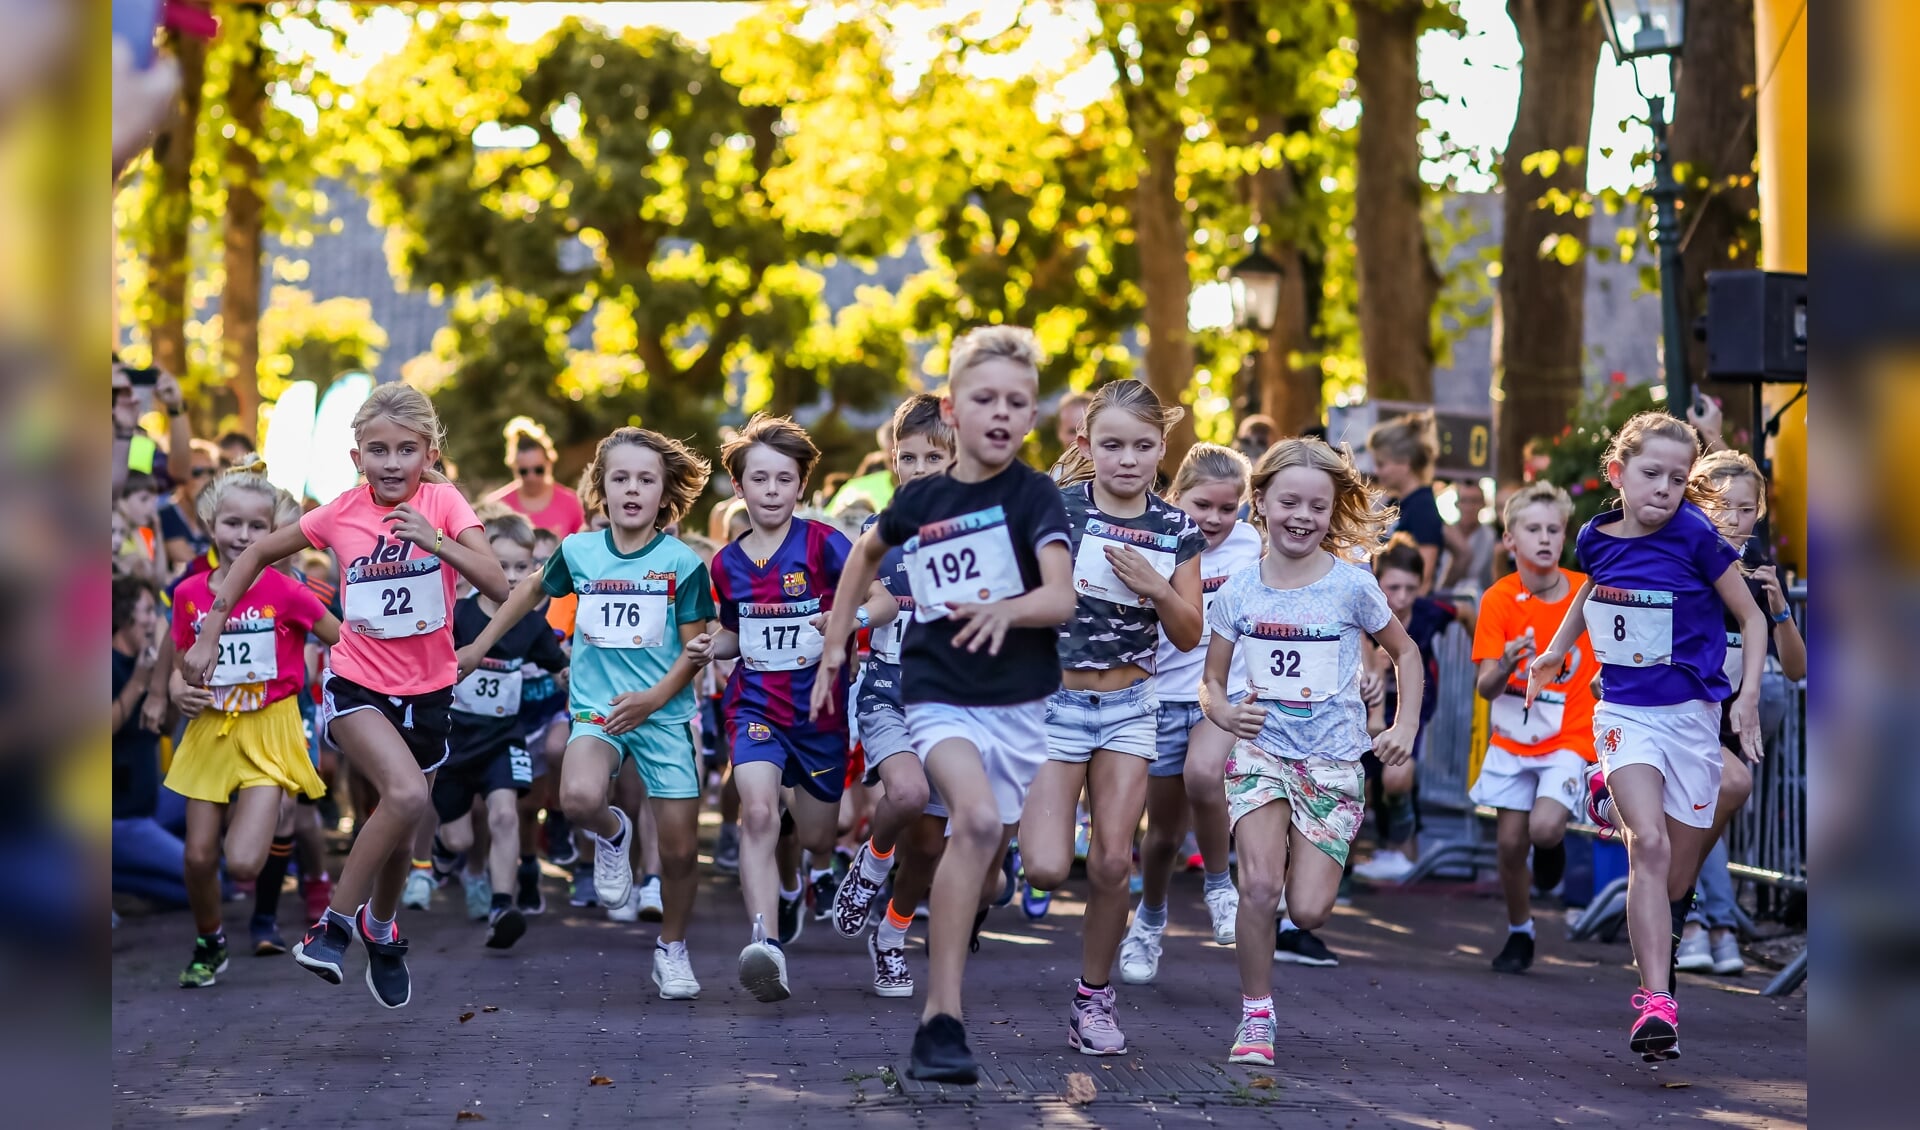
[1698, 807]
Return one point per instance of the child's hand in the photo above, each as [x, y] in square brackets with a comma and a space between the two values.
[413, 526]
[700, 649]
[1769, 579]
[825, 679]
[187, 698]
[469, 658]
[985, 625]
[1373, 687]
[1542, 672]
[1130, 565]
[1243, 720]
[196, 667]
[1394, 746]
[628, 712]
[1518, 650]
[1745, 716]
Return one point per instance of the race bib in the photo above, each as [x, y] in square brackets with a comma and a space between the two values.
[1512, 719]
[1736, 665]
[1288, 663]
[1093, 574]
[886, 640]
[1209, 588]
[621, 614]
[964, 560]
[392, 600]
[247, 654]
[780, 637]
[1631, 627]
[492, 691]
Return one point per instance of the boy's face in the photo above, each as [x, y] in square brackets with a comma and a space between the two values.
[1536, 535]
[140, 507]
[120, 531]
[634, 480]
[992, 406]
[916, 456]
[770, 482]
[1400, 588]
[515, 561]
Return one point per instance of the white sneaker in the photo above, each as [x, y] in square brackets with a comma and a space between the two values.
[1223, 906]
[647, 898]
[763, 968]
[673, 974]
[612, 870]
[418, 893]
[1385, 867]
[628, 911]
[1140, 953]
[1726, 956]
[1694, 954]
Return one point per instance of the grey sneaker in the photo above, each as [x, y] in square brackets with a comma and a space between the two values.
[763, 968]
[1092, 1029]
[612, 870]
[1726, 956]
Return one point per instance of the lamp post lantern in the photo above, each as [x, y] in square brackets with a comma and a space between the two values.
[1655, 30]
[1253, 284]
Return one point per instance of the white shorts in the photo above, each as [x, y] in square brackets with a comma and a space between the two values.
[1681, 741]
[1012, 741]
[1509, 781]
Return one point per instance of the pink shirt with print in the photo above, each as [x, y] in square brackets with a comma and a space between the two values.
[275, 600]
[354, 526]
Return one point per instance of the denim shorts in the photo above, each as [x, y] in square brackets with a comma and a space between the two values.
[1175, 725]
[1124, 721]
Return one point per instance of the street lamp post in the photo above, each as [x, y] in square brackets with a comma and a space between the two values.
[1655, 30]
[1253, 284]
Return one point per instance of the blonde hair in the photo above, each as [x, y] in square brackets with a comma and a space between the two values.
[243, 476]
[1717, 470]
[777, 432]
[1210, 463]
[286, 508]
[994, 343]
[684, 473]
[1632, 439]
[524, 433]
[1361, 518]
[1534, 494]
[1406, 439]
[1130, 396]
[408, 407]
[512, 527]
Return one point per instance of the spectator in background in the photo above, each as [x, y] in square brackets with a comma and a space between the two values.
[535, 494]
[1467, 565]
[1256, 434]
[1403, 450]
[235, 449]
[138, 508]
[148, 860]
[1070, 415]
[1535, 461]
[180, 524]
[133, 449]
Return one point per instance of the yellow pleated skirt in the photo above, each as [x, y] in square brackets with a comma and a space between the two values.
[222, 753]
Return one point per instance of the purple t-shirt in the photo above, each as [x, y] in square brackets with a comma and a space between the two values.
[1654, 618]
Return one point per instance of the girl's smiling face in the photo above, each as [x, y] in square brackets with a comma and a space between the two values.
[1214, 506]
[1298, 506]
[393, 458]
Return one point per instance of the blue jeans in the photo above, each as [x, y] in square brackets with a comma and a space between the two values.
[1715, 907]
[149, 861]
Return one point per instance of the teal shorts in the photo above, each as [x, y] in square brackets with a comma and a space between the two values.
[662, 751]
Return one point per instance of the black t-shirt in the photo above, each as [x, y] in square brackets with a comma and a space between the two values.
[965, 529]
[1424, 625]
[530, 641]
[1420, 517]
[136, 754]
[173, 524]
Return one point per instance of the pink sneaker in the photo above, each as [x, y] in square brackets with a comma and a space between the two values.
[1656, 1035]
[318, 894]
[1600, 805]
[1253, 1042]
[1093, 1030]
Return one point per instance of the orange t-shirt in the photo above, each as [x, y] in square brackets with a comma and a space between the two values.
[1562, 716]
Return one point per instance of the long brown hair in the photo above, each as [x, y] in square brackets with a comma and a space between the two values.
[1130, 396]
[685, 473]
[1361, 518]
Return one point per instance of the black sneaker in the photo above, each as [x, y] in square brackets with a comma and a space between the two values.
[561, 851]
[529, 898]
[265, 932]
[1516, 956]
[323, 949]
[504, 927]
[1301, 948]
[793, 917]
[387, 975]
[940, 1053]
[979, 919]
[824, 888]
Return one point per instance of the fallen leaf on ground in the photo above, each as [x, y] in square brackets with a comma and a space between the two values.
[465, 1016]
[1260, 1083]
[1080, 1088]
[491, 1008]
[1003, 1022]
[1675, 1086]
[469, 1116]
[599, 1081]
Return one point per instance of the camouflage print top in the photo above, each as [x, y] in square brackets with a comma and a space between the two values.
[1111, 626]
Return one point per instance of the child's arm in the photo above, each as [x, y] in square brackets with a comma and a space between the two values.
[1396, 745]
[1745, 713]
[881, 607]
[1494, 674]
[1786, 633]
[1243, 720]
[628, 711]
[512, 610]
[469, 554]
[1048, 606]
[1548, 662]
[197, 664]
[856, 577]
[1176, 600]
[327, 627]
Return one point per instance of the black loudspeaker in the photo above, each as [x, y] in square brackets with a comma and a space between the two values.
[1756, 326]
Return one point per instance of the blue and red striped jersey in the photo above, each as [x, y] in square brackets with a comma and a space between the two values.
[771, 606]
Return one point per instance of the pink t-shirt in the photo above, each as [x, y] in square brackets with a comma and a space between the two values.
[263, 655]
[562, 516]
[397, 633]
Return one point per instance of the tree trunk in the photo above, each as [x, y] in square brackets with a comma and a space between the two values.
[246, 220]
[1539, 316]
[1160, 232]
[1289, 393]
[1398, 283]
[167, 261]
[1718, 219]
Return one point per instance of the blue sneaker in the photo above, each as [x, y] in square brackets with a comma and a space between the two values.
[1035, 903]
[1009, 877]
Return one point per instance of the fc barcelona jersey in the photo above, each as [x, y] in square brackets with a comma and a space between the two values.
[772, 606]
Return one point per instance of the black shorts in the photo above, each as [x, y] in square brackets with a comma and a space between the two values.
[423, 720]
[507, 767]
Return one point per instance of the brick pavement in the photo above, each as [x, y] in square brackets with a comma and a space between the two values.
[1411, 1030]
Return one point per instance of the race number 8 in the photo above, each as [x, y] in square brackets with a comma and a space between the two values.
[1620, 629]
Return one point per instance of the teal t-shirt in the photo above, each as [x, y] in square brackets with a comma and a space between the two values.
[638, 596]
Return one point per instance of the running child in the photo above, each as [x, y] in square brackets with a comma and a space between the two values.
[992, 581]
[389, 692]
[922, 445]
[1294, 783]
[639, 635]
[489, 759]
[1660, 581]
[1136, 573]
[774, 586]
[245, 747]
[1189, 768]
[1538, 757]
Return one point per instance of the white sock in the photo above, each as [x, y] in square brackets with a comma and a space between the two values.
[1286, 923]
[814, 875]
[887, 936]
[790, 895]
[873, 868]
[1249, 1006]
[379, 930]
[1524, 928]
[672, 949]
